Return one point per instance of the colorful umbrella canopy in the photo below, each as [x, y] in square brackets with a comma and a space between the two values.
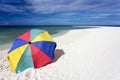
[35, 48]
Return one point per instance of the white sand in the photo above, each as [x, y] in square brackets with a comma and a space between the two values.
[82, 54]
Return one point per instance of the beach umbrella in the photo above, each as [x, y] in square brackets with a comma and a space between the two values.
[35, 48]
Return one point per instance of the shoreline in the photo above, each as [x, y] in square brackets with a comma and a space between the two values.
[5, 46]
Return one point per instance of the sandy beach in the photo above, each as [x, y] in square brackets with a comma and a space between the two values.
[81, 54]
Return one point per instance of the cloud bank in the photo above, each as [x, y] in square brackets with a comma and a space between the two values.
[60, 11]
[56, 6]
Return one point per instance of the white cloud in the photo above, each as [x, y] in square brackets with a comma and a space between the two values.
[54, 6]
[60, 6]
[10, 8]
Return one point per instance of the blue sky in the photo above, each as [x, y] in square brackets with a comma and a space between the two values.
[59, 12]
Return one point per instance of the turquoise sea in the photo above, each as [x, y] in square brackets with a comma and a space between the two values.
[9, 34]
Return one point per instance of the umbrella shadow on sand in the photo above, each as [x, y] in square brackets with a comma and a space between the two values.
[58, 53]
